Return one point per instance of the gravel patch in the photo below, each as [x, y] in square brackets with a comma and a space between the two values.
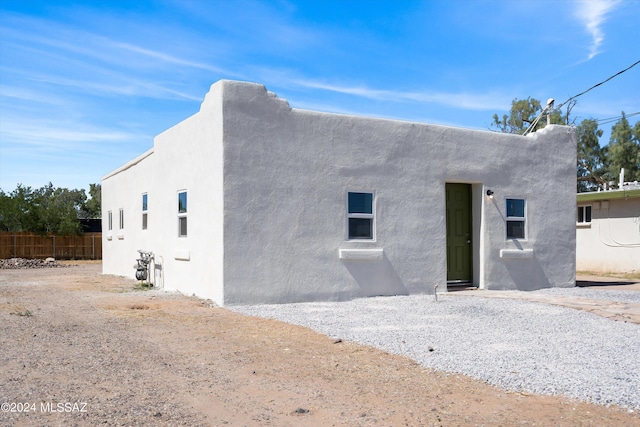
[596, 294]
[513, 344]
[26, 263]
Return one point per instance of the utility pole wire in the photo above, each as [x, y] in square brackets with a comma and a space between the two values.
[548, 108]
[598, 84]
[613, 119]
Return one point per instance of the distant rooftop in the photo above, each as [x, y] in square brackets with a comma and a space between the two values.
[628, 189]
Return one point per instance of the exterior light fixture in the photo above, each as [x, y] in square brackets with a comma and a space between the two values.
[490, 194]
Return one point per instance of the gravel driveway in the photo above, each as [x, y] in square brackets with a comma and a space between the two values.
[515, 344]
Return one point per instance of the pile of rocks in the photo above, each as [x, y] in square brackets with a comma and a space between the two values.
[19, 263]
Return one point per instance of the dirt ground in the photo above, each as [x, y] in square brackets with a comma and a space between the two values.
[80, 349]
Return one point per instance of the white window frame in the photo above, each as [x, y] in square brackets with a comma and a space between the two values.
[121, 219]
[581, 218]
[109, 221]
[182, 215]
[371, 216]
[145, 210]
[522, 219]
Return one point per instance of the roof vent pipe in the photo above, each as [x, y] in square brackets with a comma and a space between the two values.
[549, 107]
[546, 110]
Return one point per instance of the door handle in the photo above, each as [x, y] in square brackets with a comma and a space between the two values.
[468, 241]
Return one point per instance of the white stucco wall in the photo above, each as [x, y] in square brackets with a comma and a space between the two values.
[267, 188]
[287, 173]
[122, 190]
[611, 242]
[188, 157]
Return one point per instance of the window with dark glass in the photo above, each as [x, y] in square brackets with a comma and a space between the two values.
[121, 219]
[360, 216]
[516, 218]
[110, 221]
[584, 214]
[145, 207]
[182, 214]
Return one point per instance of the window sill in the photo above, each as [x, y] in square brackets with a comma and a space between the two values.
[109, 237]
[361, 254]
[182, 255]
[583, 225]
[516, 253]
[120, 236]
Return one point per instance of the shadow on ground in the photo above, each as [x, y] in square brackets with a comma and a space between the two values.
[598, 283]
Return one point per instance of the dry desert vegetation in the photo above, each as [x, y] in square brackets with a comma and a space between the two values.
[78, 348]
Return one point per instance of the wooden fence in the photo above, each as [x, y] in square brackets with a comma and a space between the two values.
[30, 245]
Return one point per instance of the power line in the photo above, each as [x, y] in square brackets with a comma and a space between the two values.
[614, 119]
[598, 84]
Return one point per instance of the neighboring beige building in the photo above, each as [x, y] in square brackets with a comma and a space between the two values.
[608, 230]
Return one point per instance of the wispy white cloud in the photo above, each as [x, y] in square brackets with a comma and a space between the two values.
[98, 63]
[467, 101]
[34, 134]
[121, 86]
[95, 81]
[271, 24]
[36, 151]
[28, 95]
[167, 58]
[593, 13]
[362, 111]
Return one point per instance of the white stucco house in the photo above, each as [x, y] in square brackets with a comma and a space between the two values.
[608, 230]
[251, 201]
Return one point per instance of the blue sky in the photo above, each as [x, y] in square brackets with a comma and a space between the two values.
[86, 85]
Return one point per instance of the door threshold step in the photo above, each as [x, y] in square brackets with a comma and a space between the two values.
[461, 286]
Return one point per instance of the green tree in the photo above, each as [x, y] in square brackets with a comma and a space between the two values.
[47, 218]
[624, 150]
[44, 210]
[591, 167]
[523, 114]
[67, 207]
[93, 206]
[16, 210]
[10, 218]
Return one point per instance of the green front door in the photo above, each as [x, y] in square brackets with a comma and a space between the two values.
[459, 233]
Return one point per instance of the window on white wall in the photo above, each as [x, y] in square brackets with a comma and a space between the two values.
[584, 215]
[516, 218]
[145, 208]
[182, 214]
[109, 220]
[360, 216]
[121, 219]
